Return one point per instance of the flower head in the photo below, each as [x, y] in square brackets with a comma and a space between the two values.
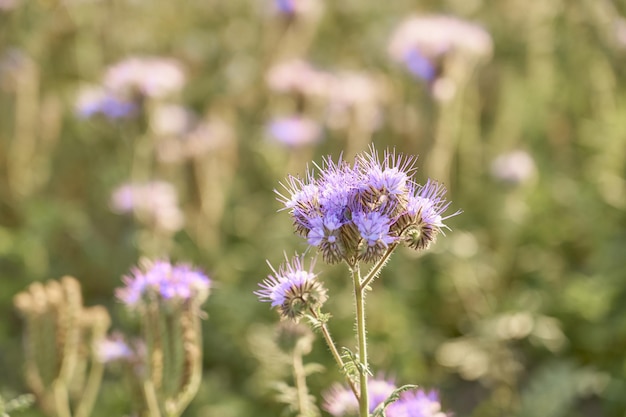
[154, 203]
[113, 348]
[292, 289]
[153, 77]
[294, 131]
[164, 282]
[417, 403]
[92, 101]
[340, 401]
[513, 168]
[358, 212]
[421, 43]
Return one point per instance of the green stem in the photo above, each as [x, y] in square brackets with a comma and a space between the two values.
[333, 349]
[85, 406]
[61, 398]
[373, 273]
[359, 295]
[299, 377]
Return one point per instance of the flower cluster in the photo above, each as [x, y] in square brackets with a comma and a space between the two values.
[340, 401]
[359, 212]
[421, 41]
[160, 280]
[293, 289]
[125, 85]
[294, 131]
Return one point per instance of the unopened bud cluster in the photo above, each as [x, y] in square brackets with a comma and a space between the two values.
[62, 369]
[358, 212]
[292, 289]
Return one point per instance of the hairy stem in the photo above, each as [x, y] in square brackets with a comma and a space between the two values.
[373, 273]
[333, 349]
[359, 295]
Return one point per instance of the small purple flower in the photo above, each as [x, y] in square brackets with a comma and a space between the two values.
[113, 348]
[340, 401]
[292, 289]
[416, 404]
[420, 66]
[374, 228]
[422, 42]
[154, 203]
[161, 280]
[423, 219]
[515, 168]
[294, 131]
[152, 77]
[94, 101]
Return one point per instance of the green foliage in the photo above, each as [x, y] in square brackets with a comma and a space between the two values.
[521, 312]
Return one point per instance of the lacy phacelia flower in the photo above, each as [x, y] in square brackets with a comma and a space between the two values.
[154, 204]
[147, 76]
[416, 404]
[358, 213]
[94, 100]
[421, 42]
[292, 289]
[297, 8]
[297, 77]
[514, 168]
[163, 282]
[340, 400]
[294, 131]
[112, 349]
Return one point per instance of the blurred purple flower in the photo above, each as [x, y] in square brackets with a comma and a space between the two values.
[153, 203]
[6, 5]
[152, 77]
[93, 101]
[297, 8]
[297, 77]
[421, 42]
[113, 348]
[516, 167]
[200, 139]
[294, 131]
[340, 401]
[416, 404]
[160, 280]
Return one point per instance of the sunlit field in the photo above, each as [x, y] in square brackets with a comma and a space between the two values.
[156, 166]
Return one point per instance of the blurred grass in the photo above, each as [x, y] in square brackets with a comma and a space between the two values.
[519, 310]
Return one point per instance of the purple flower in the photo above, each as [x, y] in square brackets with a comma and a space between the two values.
[353, 213]
[294, 131]
[374, 228]
[112, 349]
[423, 218]
[94, 101]
[153, 77]
[160, 280]
[516, 167]
[154, 203]
[340, 401]
[416, 404]
[420, 66]
[292, 289]
[422, 42]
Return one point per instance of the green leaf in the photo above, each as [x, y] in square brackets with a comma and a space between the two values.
[393, 397]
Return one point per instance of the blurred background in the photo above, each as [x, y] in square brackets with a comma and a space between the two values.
[133, 128]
